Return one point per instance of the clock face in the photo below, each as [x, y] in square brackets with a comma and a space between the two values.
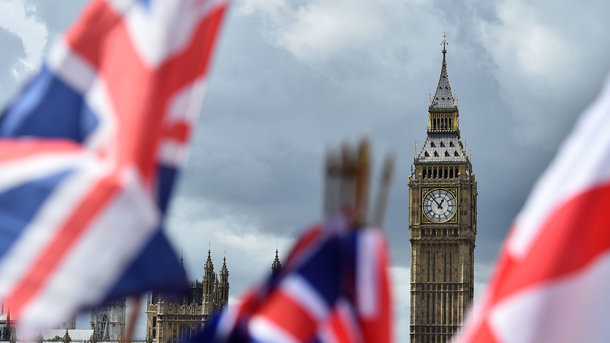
[439, 205]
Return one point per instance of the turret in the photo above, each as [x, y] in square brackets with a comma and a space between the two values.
[223, 288]
[443, 112]
[208, 284]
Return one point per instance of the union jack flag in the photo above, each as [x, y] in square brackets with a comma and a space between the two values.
[89, 153]
[333, 288]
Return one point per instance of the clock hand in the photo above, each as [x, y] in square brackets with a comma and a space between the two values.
[441, 204]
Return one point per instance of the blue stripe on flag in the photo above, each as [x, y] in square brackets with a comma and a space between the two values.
[165, 183]
[156, 267]
[19, 205]
[323, 271]
[49, 108]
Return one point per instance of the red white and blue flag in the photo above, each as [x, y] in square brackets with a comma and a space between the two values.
[89, 153]
[552, 280]
[334, 287]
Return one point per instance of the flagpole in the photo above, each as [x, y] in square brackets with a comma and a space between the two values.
[133, 318]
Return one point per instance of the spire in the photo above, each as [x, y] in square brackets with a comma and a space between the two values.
[224, 271]
[186, 281]
[223, 291]
[67, 338]
[276, 265]
[443, 100]
[209, 265]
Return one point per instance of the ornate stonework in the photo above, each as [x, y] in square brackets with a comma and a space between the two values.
[442, 223]
[108, 321]
[176, 320]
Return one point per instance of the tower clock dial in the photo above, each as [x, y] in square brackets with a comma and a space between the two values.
[439, 205]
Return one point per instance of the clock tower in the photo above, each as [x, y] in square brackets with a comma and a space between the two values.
[442, 223]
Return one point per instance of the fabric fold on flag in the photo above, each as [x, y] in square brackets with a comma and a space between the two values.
[89, 153]
[550, 283]
[333, 287]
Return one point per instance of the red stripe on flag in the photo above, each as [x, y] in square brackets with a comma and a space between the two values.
[140, 94]
[574, 235]
[89, 34]
[56, 249]
[289, 315]
[380, 328]
[178, 131]
[11, 150]
[311, 237]
[341, 327]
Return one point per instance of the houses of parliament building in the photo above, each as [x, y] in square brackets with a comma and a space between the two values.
[173, 320]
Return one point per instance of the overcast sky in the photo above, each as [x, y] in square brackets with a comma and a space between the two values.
[291, 78]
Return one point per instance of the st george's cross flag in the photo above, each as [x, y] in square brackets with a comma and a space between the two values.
[334, 287]
[89, 152]
[552, 280]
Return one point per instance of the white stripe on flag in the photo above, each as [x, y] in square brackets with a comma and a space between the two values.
[587, 147]
[124, 226]
[575, 309]
[172, 154]
[299, 290]
[82, 77]
[262, 330]
[70, 67]
[367, 273]
[184, 107]
[35, 167]
[166, 27]
[46, 223]
[103, 138]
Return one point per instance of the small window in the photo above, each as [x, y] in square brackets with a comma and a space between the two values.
[435, 154]
[432, 144]
[451, 144]
[447, 154]
[455, 153]
[442, 145]
[427, 154]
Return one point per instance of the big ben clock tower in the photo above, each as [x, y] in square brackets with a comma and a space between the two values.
[442, 223]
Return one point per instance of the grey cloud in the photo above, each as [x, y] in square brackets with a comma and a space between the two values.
[57, 16]
[12, 52]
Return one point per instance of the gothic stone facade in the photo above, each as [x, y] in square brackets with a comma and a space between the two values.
[108, 321]
[176, 320]
[442, 224]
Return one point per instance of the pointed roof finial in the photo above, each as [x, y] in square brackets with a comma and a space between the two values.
[443, 99]
[276, 265]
